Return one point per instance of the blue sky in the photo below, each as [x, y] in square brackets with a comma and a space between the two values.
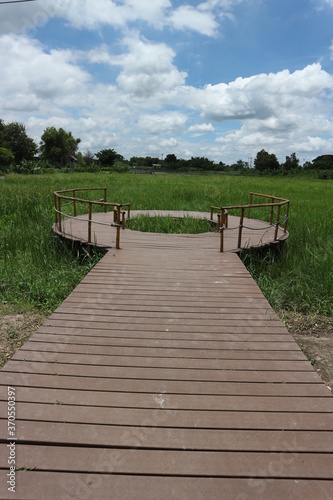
[216, 78]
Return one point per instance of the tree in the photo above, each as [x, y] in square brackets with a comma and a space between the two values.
[170, 161]
[13, 137]
[6, 157]
[266, 161]
[200, 163]
[291, 163]
[324, 162]
[107, 157]
[89, 158]
[57, 146]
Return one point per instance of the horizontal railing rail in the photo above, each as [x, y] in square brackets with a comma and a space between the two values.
[63, 199]
[275, 205]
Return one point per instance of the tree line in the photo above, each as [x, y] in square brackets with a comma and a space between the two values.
[58, 149]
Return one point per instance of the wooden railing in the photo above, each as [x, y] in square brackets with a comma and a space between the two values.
[68, 197]
[275, 206]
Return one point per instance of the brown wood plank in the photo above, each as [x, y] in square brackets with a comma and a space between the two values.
[189, 419]
[57, 369]
[171, 387]
[65, 486]
[230, 332]
[196, 353]
[161, 400]
[78, 434]
[180, 363]
[219, 419]
[176, 463]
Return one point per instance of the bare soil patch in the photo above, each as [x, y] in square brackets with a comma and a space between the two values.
[314, 335]
[15, 330]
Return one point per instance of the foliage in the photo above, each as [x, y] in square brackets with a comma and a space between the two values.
[6, 158]
[324, 162]
[168, 224]
[265, 161]
[14, 138]
[292, 162]
[107, 157]
[57, 146]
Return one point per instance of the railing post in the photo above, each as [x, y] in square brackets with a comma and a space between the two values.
[74, 202]
[287, 217]
[128, 211]
[123, 219]
[249, 210]
[55, 209]
[241, 228]
[222, 239]
[105, 207]
[89, 222]
[211, 213]
[118, 228]
[59, 213]
[272, 210]
[277, 222]
[218, 222]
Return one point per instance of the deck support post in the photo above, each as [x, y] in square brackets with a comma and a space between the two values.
[59, 214]
[89, 223]
[118, 227]
[272, 212]
[241, 222]
[277, 223]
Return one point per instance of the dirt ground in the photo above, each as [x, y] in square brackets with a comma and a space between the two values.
[15, 330]
[313, 333]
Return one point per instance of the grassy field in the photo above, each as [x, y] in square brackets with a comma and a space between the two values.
[37, 271]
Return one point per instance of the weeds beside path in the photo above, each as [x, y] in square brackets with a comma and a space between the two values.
[15, 330]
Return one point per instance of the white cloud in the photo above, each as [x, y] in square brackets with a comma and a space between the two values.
[120, 14]
[148, 69]
[265, 96]
[188, 17]
[35, 80]
[162, 123]
[201, 128]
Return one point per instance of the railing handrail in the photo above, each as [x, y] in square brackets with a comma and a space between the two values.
[59, 195]
[277, 202]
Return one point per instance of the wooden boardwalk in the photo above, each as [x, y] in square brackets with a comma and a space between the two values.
[256, 233]
[167, 375]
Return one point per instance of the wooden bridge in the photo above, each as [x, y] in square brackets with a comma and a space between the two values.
[166, 375]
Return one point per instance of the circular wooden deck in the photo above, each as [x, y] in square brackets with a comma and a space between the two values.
[255, 233]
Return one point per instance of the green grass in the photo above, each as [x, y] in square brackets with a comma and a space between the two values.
[38, 272]
[168, 224]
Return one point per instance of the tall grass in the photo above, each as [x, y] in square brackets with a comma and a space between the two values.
[37, 271]
[168, 224]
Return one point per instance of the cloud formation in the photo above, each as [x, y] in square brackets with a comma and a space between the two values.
[136, 96]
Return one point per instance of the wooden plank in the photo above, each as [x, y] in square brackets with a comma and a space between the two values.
[78, 434]
[189, 419]
[176, 463]
[161, 400]
[231, 332]
[181, 363]
[170, 387]
[58, 369]
[65, 486]
[196, 353]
